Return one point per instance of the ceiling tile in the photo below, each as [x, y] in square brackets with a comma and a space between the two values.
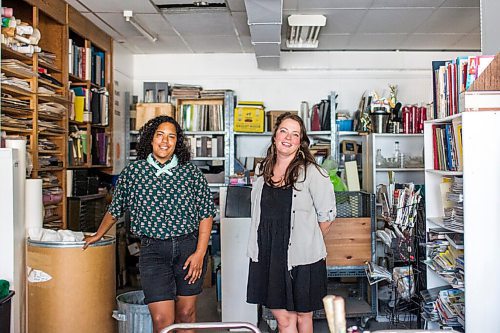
[236, 5]
[469, 42]
[377, 41]
[162, 45]
[328, 4]
[437, 42]
[202, 24]
[290, 4]
[118, 6]
[213, 44]
[406, 3]
[444, 20]
[394, 20]
[333, 42]
[241, 23]
[117, 21]
[105, 25]
[156, 23]
[77, 5]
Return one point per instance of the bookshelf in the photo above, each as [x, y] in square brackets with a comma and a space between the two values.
[206, 125]
[481, 213]
[41, 112]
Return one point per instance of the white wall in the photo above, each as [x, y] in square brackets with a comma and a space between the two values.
[123, 63]
[308, 76]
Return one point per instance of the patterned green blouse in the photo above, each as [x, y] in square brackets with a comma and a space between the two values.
[162, 206]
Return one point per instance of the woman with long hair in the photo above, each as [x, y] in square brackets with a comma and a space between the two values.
[293, 206]
[171, 210]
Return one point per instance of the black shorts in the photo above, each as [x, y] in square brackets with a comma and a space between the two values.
[161, 264]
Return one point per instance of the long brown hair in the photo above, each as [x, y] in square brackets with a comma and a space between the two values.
[302, 159]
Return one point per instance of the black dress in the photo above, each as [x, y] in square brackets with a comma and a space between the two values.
[269, 281]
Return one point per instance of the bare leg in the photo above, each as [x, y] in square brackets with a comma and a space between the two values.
[185, 310]
[305, 322]
[162, 313]
[287, 320]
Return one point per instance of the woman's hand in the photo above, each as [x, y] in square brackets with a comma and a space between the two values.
[195, 264]
[89, 240]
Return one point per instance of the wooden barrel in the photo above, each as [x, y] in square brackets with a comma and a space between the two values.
[71, 290]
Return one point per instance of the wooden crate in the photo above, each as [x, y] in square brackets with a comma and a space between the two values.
[147, 111]
[349, 242]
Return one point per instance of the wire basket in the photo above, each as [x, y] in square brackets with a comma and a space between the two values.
[354, 204]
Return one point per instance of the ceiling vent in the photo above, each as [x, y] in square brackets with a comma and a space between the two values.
[193, 7]
[303, 31]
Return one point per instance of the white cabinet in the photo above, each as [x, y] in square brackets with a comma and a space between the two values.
[411, 170]
[481, 202]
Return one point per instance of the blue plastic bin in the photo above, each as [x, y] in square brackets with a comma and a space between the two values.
[344, 125]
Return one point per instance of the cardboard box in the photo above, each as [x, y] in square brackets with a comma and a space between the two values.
[249, 119]
[349, 242]
[148, 111]
[272, 116]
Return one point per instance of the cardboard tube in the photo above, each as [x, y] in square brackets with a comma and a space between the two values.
[335, 313]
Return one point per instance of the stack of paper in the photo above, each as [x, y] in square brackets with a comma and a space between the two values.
[454, 215]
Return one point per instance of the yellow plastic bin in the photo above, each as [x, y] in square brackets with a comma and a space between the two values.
[71, 290]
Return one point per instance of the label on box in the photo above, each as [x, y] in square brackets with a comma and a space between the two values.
[37, 276]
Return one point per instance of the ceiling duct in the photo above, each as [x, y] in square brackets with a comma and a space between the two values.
[264, 21]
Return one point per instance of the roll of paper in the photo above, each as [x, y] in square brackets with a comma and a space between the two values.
[69, 183]
[20, 144]
[34, 205]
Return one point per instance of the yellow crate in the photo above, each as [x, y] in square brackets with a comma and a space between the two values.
[249, 119]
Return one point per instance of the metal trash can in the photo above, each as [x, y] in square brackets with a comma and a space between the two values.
[132, 314]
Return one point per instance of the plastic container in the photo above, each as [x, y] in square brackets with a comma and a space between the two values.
[133, 315]
[344, 125]
[71, 290]
[5, 305]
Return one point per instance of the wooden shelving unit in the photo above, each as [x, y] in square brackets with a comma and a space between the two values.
[54, 20]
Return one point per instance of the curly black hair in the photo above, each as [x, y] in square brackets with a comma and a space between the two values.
[147, 132]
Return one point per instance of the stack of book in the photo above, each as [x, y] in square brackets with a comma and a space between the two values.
[454, 214]
[213, 93]
[202, 117]
[429, 298]
[451, 307]
[185, 91]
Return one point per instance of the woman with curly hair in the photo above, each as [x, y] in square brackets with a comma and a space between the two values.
[172, 210]
[293, 206]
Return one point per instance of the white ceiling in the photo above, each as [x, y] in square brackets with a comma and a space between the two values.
[430, 25]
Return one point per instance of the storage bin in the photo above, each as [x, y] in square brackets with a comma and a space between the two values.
[344, 125]
[272, 116]
[133, 315]
[249, 119]
[5, 306]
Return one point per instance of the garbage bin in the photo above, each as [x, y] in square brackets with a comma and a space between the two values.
[71, 290]
[5, 312]
[132, 314]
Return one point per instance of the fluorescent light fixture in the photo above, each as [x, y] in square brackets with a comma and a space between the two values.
[128, 14]
[303, 30]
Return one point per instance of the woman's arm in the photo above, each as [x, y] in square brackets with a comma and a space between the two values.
[195, 261]
[107, 222]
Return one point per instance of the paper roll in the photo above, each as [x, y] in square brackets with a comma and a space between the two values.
[69, 183]
[34, 205]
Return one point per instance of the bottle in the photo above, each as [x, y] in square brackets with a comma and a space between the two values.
[379, 159]
[397, 153]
